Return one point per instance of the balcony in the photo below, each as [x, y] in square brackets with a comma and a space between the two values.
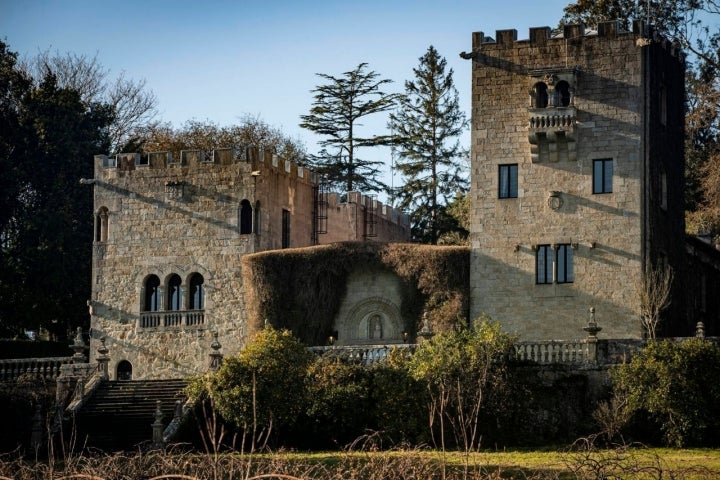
[171, 320]
[551, 133]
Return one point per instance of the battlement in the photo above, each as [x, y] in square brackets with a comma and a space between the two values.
[370, 203]
[574, 34]
[257, 157]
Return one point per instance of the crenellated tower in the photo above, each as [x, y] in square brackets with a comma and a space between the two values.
[577, 176]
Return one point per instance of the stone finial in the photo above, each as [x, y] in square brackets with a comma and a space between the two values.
[79, 347]
[700, 330]
[592, 329]
[215, 356]
[426, 332]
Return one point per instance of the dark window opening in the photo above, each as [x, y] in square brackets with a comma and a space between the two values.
[245, 217]
[197, 292]
[285, 228]
[564, 264]
[174, 293]
[543, 264]
[124, 370]
[603, 176]
[508, 181]
[562, 93]
[540, 92]
[151, 302]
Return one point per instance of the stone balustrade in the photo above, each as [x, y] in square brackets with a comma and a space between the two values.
[364, 354]
[47, 368]
[554, 351]
[171, 319]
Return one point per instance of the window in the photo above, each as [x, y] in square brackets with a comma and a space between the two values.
[663, 191]
[564, 264]
[197, 292]
[602, 176]
[245, 217]
[101, 225]
[543, 264]
[151, 300]
[540, 94]
[508, 181]
[562, 93]
[174, 293]
[285, 228]
[554, 264]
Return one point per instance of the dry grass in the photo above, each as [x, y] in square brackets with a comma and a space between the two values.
[367, 464]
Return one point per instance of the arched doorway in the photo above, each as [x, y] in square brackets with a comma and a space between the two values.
[124, 370]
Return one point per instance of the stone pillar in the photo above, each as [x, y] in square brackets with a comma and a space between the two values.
[103, 359]
[425, 332]
[215, 356]
[79, 347]
[591, 341]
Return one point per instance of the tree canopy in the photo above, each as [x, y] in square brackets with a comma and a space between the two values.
[339, 105]
[134, 105]
[47, 139]
[206, 135]
[426, 126]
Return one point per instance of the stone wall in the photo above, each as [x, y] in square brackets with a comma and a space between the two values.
[361, 218]
[554, 146]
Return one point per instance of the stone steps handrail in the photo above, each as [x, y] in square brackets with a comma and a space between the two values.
[46, 367]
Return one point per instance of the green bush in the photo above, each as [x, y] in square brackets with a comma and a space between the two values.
[339, 407]
[675, 386]
[465, 372]
[263, 387]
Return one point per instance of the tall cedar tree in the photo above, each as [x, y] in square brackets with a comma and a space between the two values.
[46, 145]
[338, 106]
[426, 125]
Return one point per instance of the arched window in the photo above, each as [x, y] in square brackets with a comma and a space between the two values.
[174, 293]
[124, 370]
[562, 94]
[101, 225]
[197, 292]
[540, 94]
[256, 218]
[151, 300]
[245, 217]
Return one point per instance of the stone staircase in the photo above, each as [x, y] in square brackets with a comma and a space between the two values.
[119, 414]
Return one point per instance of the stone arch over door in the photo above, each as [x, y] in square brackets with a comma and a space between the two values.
[372, 321]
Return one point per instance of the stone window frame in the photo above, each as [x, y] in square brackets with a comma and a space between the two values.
[195, 298]
[602, 179]
[507, 173]
[566, 78]
[554, 263]
[102, 224]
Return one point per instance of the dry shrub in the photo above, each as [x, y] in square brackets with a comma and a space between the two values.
[302, 289]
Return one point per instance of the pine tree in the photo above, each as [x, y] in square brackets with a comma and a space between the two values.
[426, 126]
[337, 107]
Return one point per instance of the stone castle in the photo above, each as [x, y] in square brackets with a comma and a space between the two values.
[576, 188]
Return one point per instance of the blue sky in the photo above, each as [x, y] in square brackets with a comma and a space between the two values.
[219, 60]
